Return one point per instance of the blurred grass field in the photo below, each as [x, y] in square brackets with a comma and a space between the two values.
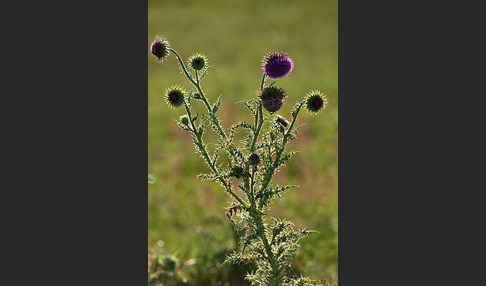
[188, 215]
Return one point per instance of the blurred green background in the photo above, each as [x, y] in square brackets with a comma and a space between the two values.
[188, 215]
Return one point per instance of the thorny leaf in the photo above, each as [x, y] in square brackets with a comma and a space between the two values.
[208, 177]
[183, 127]
[216, 105]
[252, 110]
[242, 124]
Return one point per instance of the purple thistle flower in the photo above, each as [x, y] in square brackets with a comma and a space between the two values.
[160, 49]
[272, 98]
[277, 65]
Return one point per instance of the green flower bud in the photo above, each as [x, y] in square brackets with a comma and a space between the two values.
[315, 101]
[184, 119]
[198, 62]
[175, 96]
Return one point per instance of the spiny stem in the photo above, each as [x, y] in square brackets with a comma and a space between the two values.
[254, 212]
[210, 111]
[208, 160]
[181, 62]
[259, 127]
[258, 118]
[198, 86]
[269, 175]
[257, 216]
[262, 234]
[199, 89]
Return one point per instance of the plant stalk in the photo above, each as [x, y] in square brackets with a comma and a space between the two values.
[254, 212]
[208, 160]
[199, 89]
[268, 176]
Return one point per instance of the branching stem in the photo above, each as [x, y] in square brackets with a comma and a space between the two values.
[286, 136]
[198, 136]
[254, 212]
[197, 84]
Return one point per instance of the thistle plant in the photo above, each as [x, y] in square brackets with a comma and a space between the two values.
[269, 244]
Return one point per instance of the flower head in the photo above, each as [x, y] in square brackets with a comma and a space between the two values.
[282, 121]
[160, 49]
[184, 119]
[198, 62]
[254, 159]
[272, 98]
[315, 101]
[175, 96]
[277, 65]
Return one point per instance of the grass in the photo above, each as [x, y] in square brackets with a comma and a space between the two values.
[188, 215]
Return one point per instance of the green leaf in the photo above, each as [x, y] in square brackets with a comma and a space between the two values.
[203, 74]
[217, 104]
[242, 188]
[248, 240]
[242, 124]
[216, 153]
[201, 129]
[208, 177]
[183, 127]
[189, 99]
[286, 157]
[247, 104]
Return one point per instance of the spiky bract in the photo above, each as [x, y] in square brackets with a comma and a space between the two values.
[272, 98]
[277, 65]
[175, 96]
[198, 62]
[315, 101]
[160, 49]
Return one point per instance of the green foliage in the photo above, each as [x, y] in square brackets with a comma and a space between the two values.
[266, 195]
[242, 124]
[302, 281]
[163, 268]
